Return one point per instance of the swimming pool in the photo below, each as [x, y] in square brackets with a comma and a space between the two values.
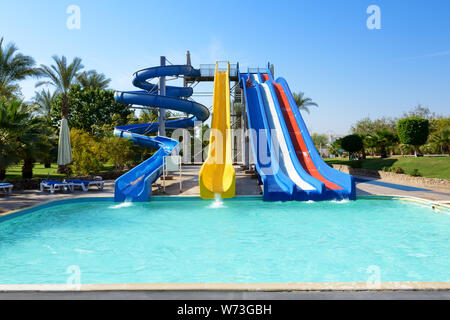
[240, 241]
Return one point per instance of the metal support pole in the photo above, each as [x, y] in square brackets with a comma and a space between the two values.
[164, 174]
[246, 144]
[162, 92]
[188, 58]
[181, 177]
[185, 83]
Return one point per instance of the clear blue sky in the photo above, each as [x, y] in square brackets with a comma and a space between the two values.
[321, 47]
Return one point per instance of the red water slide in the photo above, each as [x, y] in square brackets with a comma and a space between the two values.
[297, 139]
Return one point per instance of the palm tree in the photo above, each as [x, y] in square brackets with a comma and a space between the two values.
[22, 137]
[320, 141]
[14, 67]
[441, 140]
[11, 117]
[150, 115]
[383, 140]
[43, 102]
[34, 143]
[62, 76]
[303, 102]
[93, 80]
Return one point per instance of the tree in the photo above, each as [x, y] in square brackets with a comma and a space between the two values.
[320, 140]
[43, 102]
[420, 112]
[414, 132]
[22, 137]
[441, 141]
[368, 126]
[303, 103]
[382, 140]
[352, 143]
[62, 76]
[93, 80]
[150, 115]
[12, 116]
[34, 144]
[14, 67]
[91, 110]
[335, 148]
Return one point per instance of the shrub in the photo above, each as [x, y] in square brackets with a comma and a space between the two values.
[87, 151]
[398, 170]
[413, 131]
[416, 173]
[386, 169]
[119, 151]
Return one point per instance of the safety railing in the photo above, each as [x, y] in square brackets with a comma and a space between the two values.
[208, 70]
[256, 70]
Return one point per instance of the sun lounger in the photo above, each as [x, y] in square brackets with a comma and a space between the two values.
[55, 185]
[85, 184]
[6, 188]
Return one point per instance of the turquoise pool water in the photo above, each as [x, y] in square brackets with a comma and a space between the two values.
[244, 241]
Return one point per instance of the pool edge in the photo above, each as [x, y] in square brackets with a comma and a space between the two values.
[272, 287]
[47, 204]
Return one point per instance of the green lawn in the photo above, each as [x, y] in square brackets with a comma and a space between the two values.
[39, 172]
[430, 167]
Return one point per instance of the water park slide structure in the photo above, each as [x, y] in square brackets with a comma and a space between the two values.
[297, 159]
[217, 175]
[136, 185]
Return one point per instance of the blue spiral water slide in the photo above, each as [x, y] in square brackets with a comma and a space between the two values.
[136, 185]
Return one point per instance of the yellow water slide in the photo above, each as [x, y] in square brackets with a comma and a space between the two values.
[217, 176]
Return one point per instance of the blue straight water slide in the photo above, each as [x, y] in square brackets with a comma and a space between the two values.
[136, 185]
[272, 160]
[345, 181]
[285, 176]
[276, 185]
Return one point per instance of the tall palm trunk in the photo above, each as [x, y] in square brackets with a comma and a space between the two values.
[27, 169]
[47, 163]
[383, 152]
[65, 107]
[364, 153]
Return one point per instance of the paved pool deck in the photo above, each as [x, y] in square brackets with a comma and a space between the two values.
[246, 185]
